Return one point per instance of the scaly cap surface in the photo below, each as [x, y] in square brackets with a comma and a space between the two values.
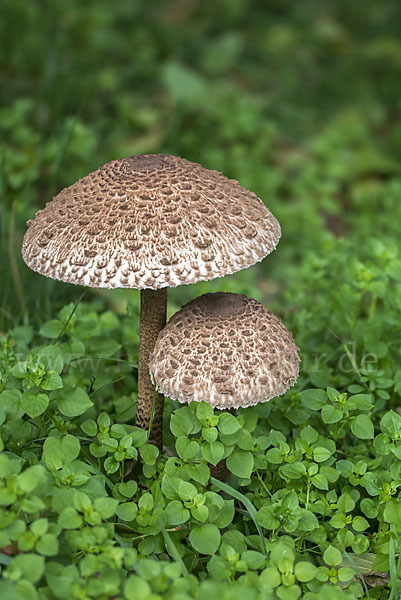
[224, 349]
[149, 221]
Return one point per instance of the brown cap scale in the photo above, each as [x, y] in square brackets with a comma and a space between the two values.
[149, 221]
[224, 349]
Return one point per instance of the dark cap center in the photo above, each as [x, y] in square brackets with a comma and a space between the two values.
[145, 163]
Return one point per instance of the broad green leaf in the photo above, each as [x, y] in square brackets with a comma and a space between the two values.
[58, 451]
[314, 399]
[305, 571]
[212, 453]
[74, 402]
[332, 556]
[149, 454]
[31, 566]
[266, 518]
[186, 449]
[310, 436]
[106, 507]
[51, 381]
[240, 463]
[34, 404]
[69, 518]
[47, 545]
[362, 427]
[228, 424]
[359, 523]
[205, 539]
[127, 511]
[330, 414]
[321, 454]
[32, 478]
[136, 588]
[180, 424]
[176, 513]
[52, 329]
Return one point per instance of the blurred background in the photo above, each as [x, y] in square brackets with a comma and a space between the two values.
[299, 101]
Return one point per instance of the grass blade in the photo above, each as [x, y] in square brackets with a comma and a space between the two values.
[224, 487]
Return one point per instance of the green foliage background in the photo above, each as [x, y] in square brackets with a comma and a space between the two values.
[299, 101]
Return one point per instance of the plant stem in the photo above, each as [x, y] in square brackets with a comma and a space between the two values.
[152, 321]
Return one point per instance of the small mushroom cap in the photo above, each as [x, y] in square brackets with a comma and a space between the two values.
[149, 221]
[224, 349]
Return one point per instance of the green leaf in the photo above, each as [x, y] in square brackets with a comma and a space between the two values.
[228, 424]
[148, 569]
[321, 454]
[176, 513]
[240, 463]
[359, 523]
[314, 399]
[266, 518]
[186, 491]
[31, 566]
[69, 518]
[310, 435]
[60, 451]
[204, 412]
[89, 427]
[346, 574]
[136, 588]
[74, 402]
[332, 556]
[34, 404]
[210, 434]
[149, 454]
[127, 511]
[270, 578]
[362, 427]
[305, 571]
[51, 381]
[198, 472]
[293, 470]
[345, 503]
[274, 456]
[32, 478]
[186, 449]
[338, 520]
[47, 545]
[330, 414]
[103, 346]
[180, 424]
[52, 329]
[212, 453]
[82, 502]
[128, 488]
[391, 423]
[392, 513]
[106, 507]
[254, 560]
[320, 481]
[307, 520]
[205, 539]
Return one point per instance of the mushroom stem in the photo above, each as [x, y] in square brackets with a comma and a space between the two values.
[152, 321]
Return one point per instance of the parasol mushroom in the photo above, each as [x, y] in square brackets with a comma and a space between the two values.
[149, 222]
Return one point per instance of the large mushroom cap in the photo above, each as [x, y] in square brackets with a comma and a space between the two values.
[149, 221]
[224, 349]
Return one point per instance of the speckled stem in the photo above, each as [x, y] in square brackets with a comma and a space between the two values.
[152, 320]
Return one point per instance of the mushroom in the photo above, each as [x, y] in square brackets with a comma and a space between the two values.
[224, 349]
[149, 222]
[227, 350]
